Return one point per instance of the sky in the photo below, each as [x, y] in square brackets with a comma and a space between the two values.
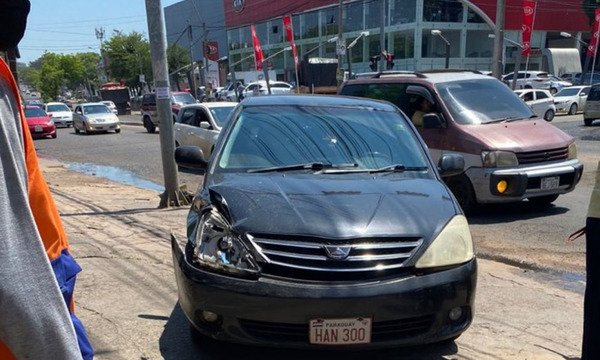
[68, 27]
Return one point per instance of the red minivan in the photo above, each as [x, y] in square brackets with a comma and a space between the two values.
[510, 153]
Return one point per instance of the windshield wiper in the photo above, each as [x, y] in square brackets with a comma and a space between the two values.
[397, 168]
[315, 166]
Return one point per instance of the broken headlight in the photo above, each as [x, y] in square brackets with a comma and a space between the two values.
[219, 248]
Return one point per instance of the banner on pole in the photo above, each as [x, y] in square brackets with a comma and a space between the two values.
[287, 23]
[593, 45]
[258, 54]
[527, 26]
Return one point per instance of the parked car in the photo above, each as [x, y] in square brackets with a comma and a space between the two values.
[200, 124]
[570, 77]
[510, 154]
[111, 105]
[148, 107]
[556, 84]
[228, 92]
[540, 101]
[35, 102]
[591, 111]
[260, 88]
[536, 80]
[94, 117]
[589, 79]
[60, 113]
[39, 123]
[323, 222]
[571, 99]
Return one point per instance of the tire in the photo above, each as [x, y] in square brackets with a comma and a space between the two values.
[543, 200]
[461, 187]
[76, 129]
[85, 130]
[573, 109]
[54, 136]
[549, 115]
[150, 128]
[588, 122]
[117, 131]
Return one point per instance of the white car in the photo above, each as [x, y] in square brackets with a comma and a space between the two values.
[111, 105]
[94, 117]
[536, 80]
[571, 99]
[540, 101]
[59, 113]
[200, 124]
[260, 88]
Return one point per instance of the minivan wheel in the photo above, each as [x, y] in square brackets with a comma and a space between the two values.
[461, 187]
[588, 122]
[549, 115]
[573, 109]
[543, 200]
[149, 125]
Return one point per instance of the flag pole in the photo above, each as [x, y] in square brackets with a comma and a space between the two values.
[532, 25]
[597, 34]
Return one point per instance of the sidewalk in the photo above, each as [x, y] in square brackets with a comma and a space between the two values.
[126, 295]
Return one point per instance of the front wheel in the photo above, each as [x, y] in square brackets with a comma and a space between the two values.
[588, 122]
[549, 115]
[76, 129]
[117, 131]
[573, 109]
[461, 187]
[149, 125]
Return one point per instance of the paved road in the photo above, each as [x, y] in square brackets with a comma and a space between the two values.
[517, 233]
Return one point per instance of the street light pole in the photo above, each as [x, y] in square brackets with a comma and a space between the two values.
[586, 64]
[266, 68]
[349, 48]
[436, 32]
[517, 61]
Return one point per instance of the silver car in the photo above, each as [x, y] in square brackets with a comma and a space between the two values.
[571, 99]
[200, 124]
[94, 117]
[540, 101]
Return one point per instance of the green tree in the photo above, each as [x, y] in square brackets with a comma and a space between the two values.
[51, 76]
[128, 57]
[177, 58]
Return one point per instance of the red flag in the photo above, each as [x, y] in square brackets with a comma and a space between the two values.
[593, 45]
[258, 55]
[287, 23]
[527, 27]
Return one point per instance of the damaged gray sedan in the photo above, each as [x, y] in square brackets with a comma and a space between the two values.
[323, 222]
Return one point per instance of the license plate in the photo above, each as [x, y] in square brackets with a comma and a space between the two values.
[550, 183]
[340, 331]
[38, 128]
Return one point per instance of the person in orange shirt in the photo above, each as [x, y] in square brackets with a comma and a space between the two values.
[37, 272]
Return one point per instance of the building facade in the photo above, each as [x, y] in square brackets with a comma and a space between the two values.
[407, 25]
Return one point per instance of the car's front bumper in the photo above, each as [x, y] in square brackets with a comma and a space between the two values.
[103, 126]
[276, 312]
[524, 181]
[63, 121]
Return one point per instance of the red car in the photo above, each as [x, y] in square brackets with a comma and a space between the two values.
[40, 124]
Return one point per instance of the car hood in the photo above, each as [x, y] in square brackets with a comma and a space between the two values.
[106, 116]
[565, 98]
[38, 120]
[61, 113]
[519, 136]
[334, 206]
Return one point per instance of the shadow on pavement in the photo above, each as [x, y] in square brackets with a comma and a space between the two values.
[176, 344]
[506, 213]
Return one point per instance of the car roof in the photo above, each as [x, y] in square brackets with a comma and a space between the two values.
[55, 103]
[91, 103]
[430, 76]
[32, 107]
[317, 100]
[209, 105]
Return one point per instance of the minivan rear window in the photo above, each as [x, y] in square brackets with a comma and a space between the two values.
[594, 93]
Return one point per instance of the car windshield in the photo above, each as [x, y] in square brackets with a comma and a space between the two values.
[315, 138]
[568, 92]
[34, 112]
[280, 85]
[184, 98]
[481, 101]
[96, 109]
[221, 114]
[57, 108]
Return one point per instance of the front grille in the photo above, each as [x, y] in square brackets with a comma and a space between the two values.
[315, 258]
[533, 157]
[298, 333]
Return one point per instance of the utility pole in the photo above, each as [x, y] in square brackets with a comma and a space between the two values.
[172, 195]
[100, 36]
[204, 59]
[341, 44]
[193, 68]
[499, 40]
[382, 46]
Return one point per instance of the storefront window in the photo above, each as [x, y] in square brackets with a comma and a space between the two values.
[403, 11]
[262, 33]
[404, 44]
[234, 39]
[479, 44]
[245, 37]
[434, 46]
[329, 21]
[353, 20]
[442, 11]
[310, 26]
[472, 17]
[373, 14]
[357, 51]
[374, 46]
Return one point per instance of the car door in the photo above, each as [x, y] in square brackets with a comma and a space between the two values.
[583, 97]
[183, 124]
[77, 121]
[541, 103]
[204, 132]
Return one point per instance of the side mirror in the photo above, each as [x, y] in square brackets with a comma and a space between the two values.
[191, 157]
[451, 164]
[432, 121]
[205, 125]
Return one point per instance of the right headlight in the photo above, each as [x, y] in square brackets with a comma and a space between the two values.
[220, 249]
[572, 151]
[452, 246]
[499, 158]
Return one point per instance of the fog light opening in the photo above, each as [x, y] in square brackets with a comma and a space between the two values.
[501, 186]
[455, 314]
[209, 316]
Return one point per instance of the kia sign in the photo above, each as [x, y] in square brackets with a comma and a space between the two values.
[238, 5]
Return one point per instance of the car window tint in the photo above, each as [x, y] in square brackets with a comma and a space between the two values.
[57, 107]
[394, 93]
[221, 114]
[371, 139]
[187, 117]
[201, 116]
[594, 93]
[34, 112]
[539, 95]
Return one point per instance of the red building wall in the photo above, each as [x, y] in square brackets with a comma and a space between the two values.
[551, 15]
